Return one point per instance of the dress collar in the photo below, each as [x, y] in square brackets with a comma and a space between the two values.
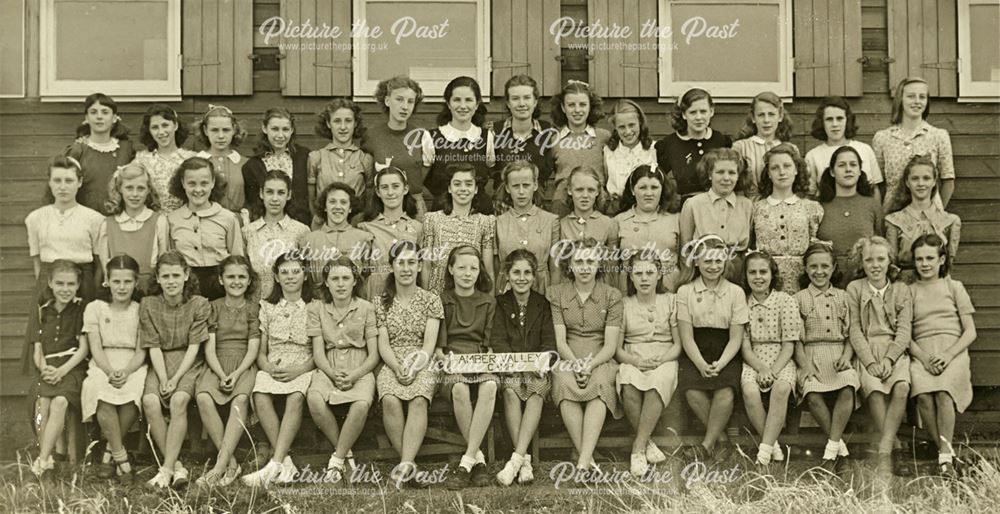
[123, 216]
[233, 156]
[110, 146]
[454, 135]
[708, 135]
[791, 200]
[331, 146]
[535, 125]
[701, 287]
[814, 291]
[730, 198]
[185, 212]
[589, 130]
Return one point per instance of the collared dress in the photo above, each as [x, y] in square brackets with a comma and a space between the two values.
[571, 150]
[284, 325]
[711, 313]
[537, 231]
[443, 232]
[327, 243]
[119, 333]
[233, 327]
[647, 335]
[229, 168]
[524, 328]
[264, 243]
[784, 229]
[881, 325]
[172, 329]
[144, 238]
[826, 321]
[658, 237]
[620, 162]
[894, 149]
[728, 217]
[905, 226]
[332, 163]
[345, 338]
[937, 309]
[446, 145]
[71, 235]
[772, 323]
[161, 169]
[205, 238]
[753, 149]
[595, 225]
[99, 163]
[467, 328]
[405, 324]
[384, 235]
[59, 334]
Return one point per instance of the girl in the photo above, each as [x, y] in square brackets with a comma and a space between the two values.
[835, 126]
[881, 321]
[57, 352]
[773, 329]
[220, 132]
[163, 133]
[629, 147]
[408, 319]
[459, 223]
[117, 373]
[918, 215]
[575, 111]
[285, 363]
[390, 216]
[345, 348]
[943, 329]
[336, 237]
[587, 315]
[711, 312]
[910, 135]
[523, 224]
[341, 160]
[648, 348]
[277, 150]
[767, 125]
[468, 320]
[850, 212]
[720, 210]
[173, 323]
[200, 229]
[102, 146]
[399, 97]
[784, 220]
[823, 357]
[680, 152]
[649, 222]
[134, 225]
[460, 138]
[585, 219]
[523, 323]
[520, 137]
[233, 342]
[64, 229]
[274, 233]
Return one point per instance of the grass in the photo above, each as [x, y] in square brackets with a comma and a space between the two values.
[792, 487]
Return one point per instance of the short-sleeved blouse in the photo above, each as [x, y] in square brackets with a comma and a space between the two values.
[230, 168]
[442, 232]
[353, 330]
[71, 235]
[173, 327]
[161, 169]
[283, 322]
[725, 216]
[659, 234]
[903, 227]
[468, 322]
[938, 306]
[774, 320]
[406, 321]
[56, 330]
[234, 324]
[894, 149]
[384, 235]
[117, 328]
[642, 325]
[718, 307]
[826, 316]
[536, 231]
[585, 322]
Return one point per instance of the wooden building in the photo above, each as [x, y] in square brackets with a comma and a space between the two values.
[228, 55]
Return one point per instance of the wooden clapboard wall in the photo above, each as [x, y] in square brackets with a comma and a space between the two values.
[31, 132]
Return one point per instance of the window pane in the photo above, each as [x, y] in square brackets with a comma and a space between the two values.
[703, 32]
[111, 40]
[12, 47]
[422, 58]
[985, 50]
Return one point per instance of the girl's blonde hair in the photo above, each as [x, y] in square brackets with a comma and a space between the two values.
[857, 255]
[586, 171]
[115, 203]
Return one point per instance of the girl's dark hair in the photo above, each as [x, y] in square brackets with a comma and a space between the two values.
[122, 261]
[683, 104]
[118, 129]
[523, 80]
[828, 185]
[897, 100]
[176, 186]
[323, 123]
[670, 201]
[263, 145]
[168, 113]
[387, 86]
[60, 266]
[626, 106]
[784, 130]
[707, 165]
[577, 246]
[284, 178]
[640, 257]
[321, 198]
[115, 203]
[520, 254]
[772, 265]
[503, 201]
[307, 286]
[403, 245]
[934, 241]
[64, 162]
[356, 271]
[576, 87]
[800, 186]
[239, 260]
[903, 196]
[174, 258]
[451, 171]
[219, 111]
[483, 282]
[819, 247]
[819, 131]
[372, 205]
[478, 117]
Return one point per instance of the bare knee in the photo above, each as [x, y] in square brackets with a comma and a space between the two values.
[179, 404]
[151, 405]
[418, 404]
[240, 404]
[392, 406]
[725, 395]
[816, 401]
[460, 393]
[295, 400]
[315, 401]
[487, 389]
[205, 402]
[781, 390]
[900, 392]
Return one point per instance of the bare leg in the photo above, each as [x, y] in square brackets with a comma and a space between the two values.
[842, 411]
[755, 406]
[926, 403]
[945, 420]
[652, 407]
[54, 427]
[157, 424]
[593, 422]
[415, 429]
[210, 418]
[529, 423]
[572, 415]
[481, 417]
[290, 423]
[820, 412]
[512, 413]
[394, 421]
[353, 426]
[323, 416]
[238, 411]
[268, 417]
[894, 416]
[719, 414]
[777, 411]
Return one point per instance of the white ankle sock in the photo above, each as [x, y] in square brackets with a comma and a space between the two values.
[480, 458]
[467, 463]
[764, 452]
[831, 450]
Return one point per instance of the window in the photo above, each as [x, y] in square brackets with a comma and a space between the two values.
[978, 50]
[126, 49]
[12, 49]
[733, 48]
[432, 41]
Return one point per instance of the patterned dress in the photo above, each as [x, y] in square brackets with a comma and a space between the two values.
[442, 232]
[173, 329]
[784, 229]
[535, 231]
[893, 150]
[405, 323]
[161, 169]
[284, 326]
[826, 322]
[384, 235]
[903, 227]
[648, 335]
[773, 322]
[119, 333]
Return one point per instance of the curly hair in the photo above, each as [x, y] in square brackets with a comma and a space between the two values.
[523, 80]
[684, 103]
[817, 248]
[818, 130]
[119, 130]
[588, 171]
[520, 254]
[828, 184]
[776, 283]
[323, 122]
[856, 255]
[576, 87]
[239, 260]
[125, 262]
[219, 111]
[387, 86]
[176, 185]
[670, 201]
[785, 126]
[626, 106]
[706, 166]
[444, 117]
[321, 198]
[356, 272]
[800, 186]
[168, 113]
[115, 203]
[574, 249]
[263, 145]
[483, 282]
[174, 258]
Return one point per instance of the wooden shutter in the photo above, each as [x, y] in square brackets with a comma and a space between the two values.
[617, 72]
[217, 44]
[827, 47]
[521, 43]
[321, 66]
[923, 42]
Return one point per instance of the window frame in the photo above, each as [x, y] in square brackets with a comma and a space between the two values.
[54, 90]
[727, 92]
[969, 90]
[364, 89]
